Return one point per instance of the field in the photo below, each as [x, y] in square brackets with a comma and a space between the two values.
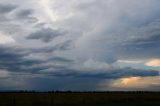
[81, 99]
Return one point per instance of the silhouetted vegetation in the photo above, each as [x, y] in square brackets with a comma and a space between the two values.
[70, 98]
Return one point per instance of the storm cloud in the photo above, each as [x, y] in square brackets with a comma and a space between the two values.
[77, 45]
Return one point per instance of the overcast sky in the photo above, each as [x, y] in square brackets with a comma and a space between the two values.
[80, 45]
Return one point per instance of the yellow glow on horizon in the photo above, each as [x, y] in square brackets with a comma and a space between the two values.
[128, 81]
[137, 82]
[153, 63]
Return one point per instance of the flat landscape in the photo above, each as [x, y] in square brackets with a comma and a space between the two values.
[80, 99]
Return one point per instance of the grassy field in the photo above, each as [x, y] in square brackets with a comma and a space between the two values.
[81, 99]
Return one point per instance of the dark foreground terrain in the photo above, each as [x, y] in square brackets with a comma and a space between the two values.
[81, 99]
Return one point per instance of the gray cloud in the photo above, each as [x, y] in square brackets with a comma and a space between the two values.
[32, 73]
[65, 72]
[143, 44]
[6, 8]
[13, 60]
[45, 34]
[26, 15]
[61, 59]
[70, 80]
[64, 46]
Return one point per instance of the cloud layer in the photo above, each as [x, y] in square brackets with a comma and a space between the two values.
[80, 43]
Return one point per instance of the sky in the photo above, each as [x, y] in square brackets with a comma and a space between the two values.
[84, 45]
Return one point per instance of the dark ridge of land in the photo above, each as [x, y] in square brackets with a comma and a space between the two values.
[70, 91]
[70, 98]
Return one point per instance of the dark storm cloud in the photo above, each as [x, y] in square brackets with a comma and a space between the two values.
[140, 50]
[108, 74]
[13, 60]
[65, 78]
[125, 72]
[144, 44]
[149, 33]
[45, 34]
[6, 8]
[72, 80]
